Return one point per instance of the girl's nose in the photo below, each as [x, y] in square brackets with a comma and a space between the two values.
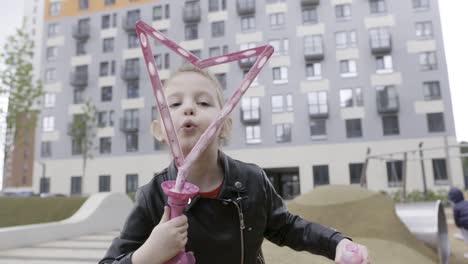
[189, 109]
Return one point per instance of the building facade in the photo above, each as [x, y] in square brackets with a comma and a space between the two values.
[346, 76]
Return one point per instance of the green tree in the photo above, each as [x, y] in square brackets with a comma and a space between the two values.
[24, 93]
[83, 133]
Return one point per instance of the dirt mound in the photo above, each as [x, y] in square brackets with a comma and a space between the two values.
[360, 213]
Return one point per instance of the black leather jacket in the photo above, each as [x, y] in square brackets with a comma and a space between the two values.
[229, 229]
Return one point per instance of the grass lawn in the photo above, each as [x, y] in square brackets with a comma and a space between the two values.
[32, 210]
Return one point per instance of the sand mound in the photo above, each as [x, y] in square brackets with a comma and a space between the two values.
[360, 213]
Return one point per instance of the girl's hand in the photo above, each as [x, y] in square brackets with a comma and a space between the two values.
[348, 252]
[166, 240]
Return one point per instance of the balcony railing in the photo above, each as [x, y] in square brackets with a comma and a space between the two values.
[81, 32]
[318, 111]
[387, 104]
[381, 44]
[313, 53]
[79, 78]
[192, 13]
[129, 124]
[245, 7]
[130, 73]
[310, 2]
[250, 116]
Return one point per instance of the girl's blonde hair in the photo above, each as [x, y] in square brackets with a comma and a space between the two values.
[226, 129]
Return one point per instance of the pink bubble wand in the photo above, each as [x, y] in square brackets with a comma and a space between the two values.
[180, 191]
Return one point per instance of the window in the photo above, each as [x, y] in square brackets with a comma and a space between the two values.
[280, 75]
[313, 70]
[435, 122]
[384, 64]
[132, 17]
[157, 13]
[348, 68]
[191, 31]
[421, 4]
[54, 9]
[309, 15]
[222, 80]
[313, 44]
[133, 89]
[131, 183]
[424, 29]
[351, 97]
[355, 171]
[83, 4]
[217, 29]
[44, 185]
[216, 5]
[321, 176]
[80, 47]
[432, 90]
[343, 11]
[247, 23]
[276, 19]
[111, 118]
[77, 146]
[109, 2]
[387, 98]
[196, 52]
[105, 145]
[132, 142]
[46, 149]
[132, 66]
[52, 53]
[252, 135]
[102, 118]
[377, 6]
[395, 173]
[104, 183]
[428, 61]
[49, 100]
[390, 125]
[50, 75]
[78, 95]
[289, 102]
[52, 30]
[345, 39]
[106, 94]
[281, 46]
[75, 185]
[250, 108]
[48, 123]
[280, 103]
[318, 103]
[214, 51]
[353, 128]
[108, 45]
[132, 40]
[379, 38]
[105, 21]
[162, 61]
[318, 128]
[283, 133]
[439, 168]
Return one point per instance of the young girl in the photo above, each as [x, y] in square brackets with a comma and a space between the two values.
[236, 207]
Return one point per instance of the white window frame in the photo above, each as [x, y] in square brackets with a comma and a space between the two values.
[351, 68]
[49, 100]
[283, 74]
[316, 70]
[48, 123]
[253, 134]
[387, 62]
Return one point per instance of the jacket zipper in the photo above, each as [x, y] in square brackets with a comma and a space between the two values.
[241, 224]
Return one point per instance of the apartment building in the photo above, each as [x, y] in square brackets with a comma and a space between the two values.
[346, 77]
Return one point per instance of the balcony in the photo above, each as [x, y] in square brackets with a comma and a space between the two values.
[313, 54]
[81, 32]
[318, 111]
[130, 73]
[128, 125]
[79, 78]
[192, 12]
[128, 22]
[249, 117]
[380, 41]
[387, 103]
[245, 7]
[247, 63]
[75, 131]
[310, 2]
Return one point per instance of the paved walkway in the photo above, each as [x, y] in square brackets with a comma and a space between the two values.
[80, 250]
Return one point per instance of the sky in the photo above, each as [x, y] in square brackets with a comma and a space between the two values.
[454, 21]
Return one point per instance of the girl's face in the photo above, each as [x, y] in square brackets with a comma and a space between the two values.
[193, 104]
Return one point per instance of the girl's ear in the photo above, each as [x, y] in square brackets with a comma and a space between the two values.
[157, 131]
[226, 129]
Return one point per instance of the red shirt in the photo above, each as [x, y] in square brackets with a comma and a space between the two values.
[211, 194]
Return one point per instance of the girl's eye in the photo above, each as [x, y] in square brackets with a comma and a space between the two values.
[204, 104]
[174, 105]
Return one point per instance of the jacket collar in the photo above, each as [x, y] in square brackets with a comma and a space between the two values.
[233, 182]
